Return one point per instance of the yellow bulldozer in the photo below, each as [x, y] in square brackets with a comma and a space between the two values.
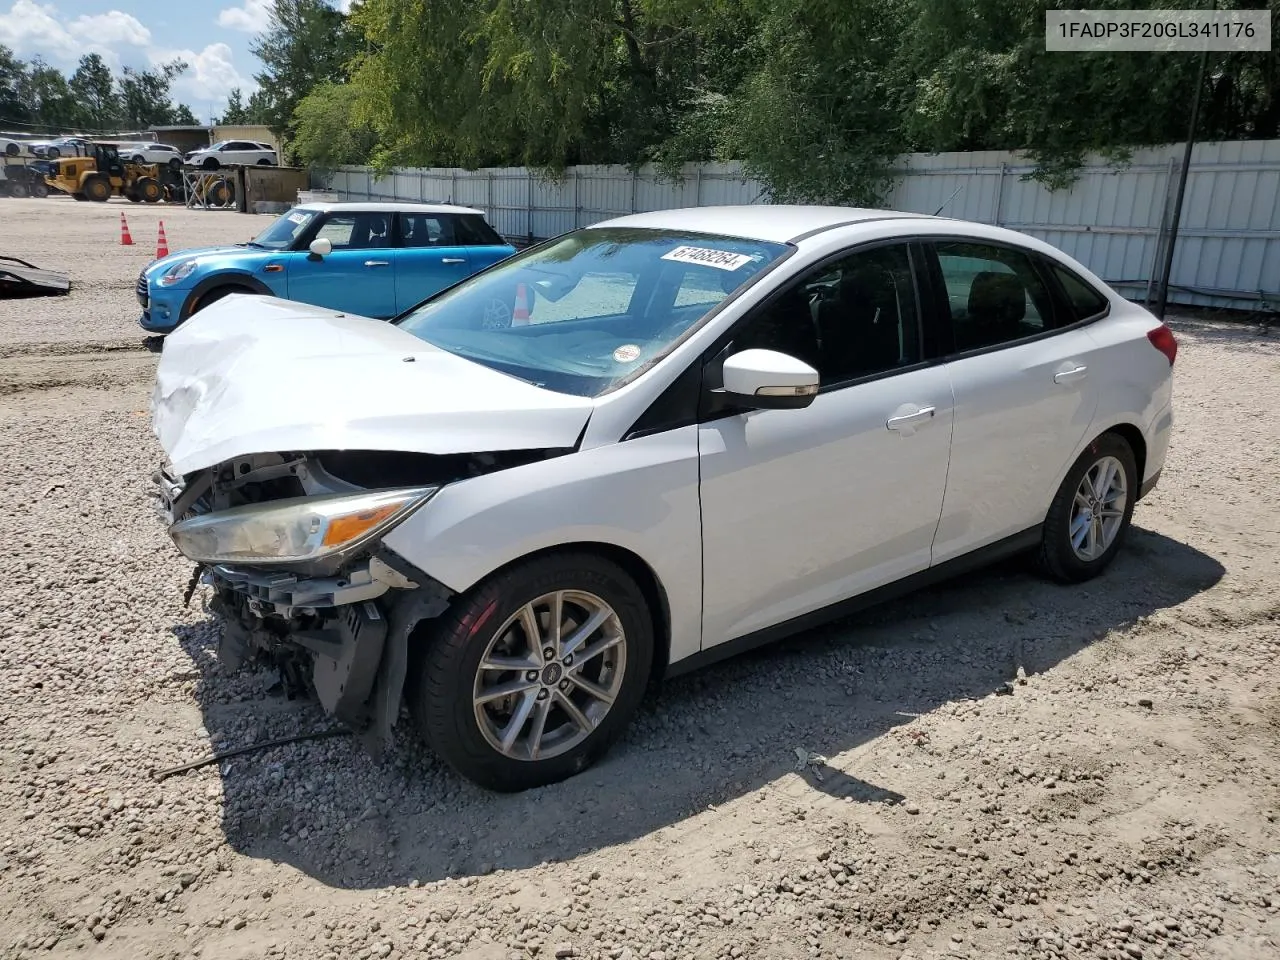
[102, 174]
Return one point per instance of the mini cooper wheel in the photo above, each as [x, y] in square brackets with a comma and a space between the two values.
[1090, 515]
[532, 675]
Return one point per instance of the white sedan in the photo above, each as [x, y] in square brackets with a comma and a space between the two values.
[14, 148]
[642, 447]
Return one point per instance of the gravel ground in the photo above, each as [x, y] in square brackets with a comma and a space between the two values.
[996, 767]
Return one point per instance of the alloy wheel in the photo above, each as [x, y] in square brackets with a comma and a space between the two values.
[550, 675]
[1098, 511]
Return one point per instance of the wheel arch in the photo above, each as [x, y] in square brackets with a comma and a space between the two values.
[636, 567]
[1127, 431]
[236, 280]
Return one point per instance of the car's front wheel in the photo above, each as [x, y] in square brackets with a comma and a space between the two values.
[1091, 512]
[533, 674]
[209, 163]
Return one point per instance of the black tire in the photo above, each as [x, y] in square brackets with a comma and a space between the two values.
[1057, 556]
[175, 163]
[216, 294]
[53, 153]
[12, 150]
[18, 190]
[97, 188]
[209, 163]
[139, 158]
[79, 196]
[39, 190]
[442, 683]
[133, 197]
[148, 188]
[264, 163]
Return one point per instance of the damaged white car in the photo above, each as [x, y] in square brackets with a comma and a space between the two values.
[640, 447]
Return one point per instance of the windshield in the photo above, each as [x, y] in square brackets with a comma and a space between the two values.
[281, 234]
[591, 308]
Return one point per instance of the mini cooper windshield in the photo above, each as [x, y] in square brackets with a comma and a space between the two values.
[283, 231]
[592, 308]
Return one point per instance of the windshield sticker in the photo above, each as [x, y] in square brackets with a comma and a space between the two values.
[626, 353]
[705, 257]
[297, 218]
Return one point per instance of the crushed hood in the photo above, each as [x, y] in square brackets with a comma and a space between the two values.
[253, 374]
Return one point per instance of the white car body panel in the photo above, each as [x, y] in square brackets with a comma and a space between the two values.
[222, 390]
[641, 495]
[1016, 431]
[802, 508]
[746, 521]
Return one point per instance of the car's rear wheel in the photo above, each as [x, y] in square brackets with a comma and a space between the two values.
[175, 163]
[533, 674]
[1091, 512]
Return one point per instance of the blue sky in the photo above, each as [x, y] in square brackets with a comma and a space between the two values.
[213, 36]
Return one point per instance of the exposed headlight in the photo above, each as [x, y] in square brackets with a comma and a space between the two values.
[299, 529]
[177, 273]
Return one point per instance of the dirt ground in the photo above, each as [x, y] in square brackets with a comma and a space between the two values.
[997, 767]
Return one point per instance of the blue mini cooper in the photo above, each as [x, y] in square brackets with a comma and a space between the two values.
[371, 259]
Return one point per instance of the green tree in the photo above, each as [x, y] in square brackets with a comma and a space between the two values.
[306, 44]
[94, 88]
[50, 99]
[145, 97]
[236, 111]
[327, 131]
[13, 78]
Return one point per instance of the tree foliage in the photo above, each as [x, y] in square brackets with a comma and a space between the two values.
[36, 95]
[327, 131]
[308, 43]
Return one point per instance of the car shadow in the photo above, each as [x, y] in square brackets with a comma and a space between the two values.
[349, 820]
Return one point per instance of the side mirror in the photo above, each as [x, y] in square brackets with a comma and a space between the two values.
[769, 380]
[321, 247]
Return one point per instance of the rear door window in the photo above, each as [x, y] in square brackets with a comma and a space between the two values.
[426, 230]
[994, 294]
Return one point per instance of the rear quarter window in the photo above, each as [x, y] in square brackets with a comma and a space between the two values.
[1085, 300]
[471, 230]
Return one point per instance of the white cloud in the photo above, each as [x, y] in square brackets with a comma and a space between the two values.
[33, 28]
[252, 16]
[210, 75]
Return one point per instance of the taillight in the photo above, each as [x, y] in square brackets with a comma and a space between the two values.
[1162, 339]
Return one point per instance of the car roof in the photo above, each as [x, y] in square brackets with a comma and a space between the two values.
[357, 206]
[776, 223]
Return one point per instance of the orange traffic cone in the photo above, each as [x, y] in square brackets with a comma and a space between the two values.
[520, 315]
[125, 239]
[162, 243]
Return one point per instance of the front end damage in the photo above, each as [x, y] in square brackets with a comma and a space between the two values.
[336, 625]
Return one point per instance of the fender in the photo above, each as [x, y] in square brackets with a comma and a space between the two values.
[230, 278]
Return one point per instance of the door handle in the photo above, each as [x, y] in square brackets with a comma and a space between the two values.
[377, 263]
[910, 419]
[453, 260]
[1072, 375]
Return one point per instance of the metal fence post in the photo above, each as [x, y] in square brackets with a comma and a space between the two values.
[697, 188]
[488, 193]
[575, 198]
[999, 195]
[634, 175]
[453, 185]
[528, 202]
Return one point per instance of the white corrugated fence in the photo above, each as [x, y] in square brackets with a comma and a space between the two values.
[1228, 250]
